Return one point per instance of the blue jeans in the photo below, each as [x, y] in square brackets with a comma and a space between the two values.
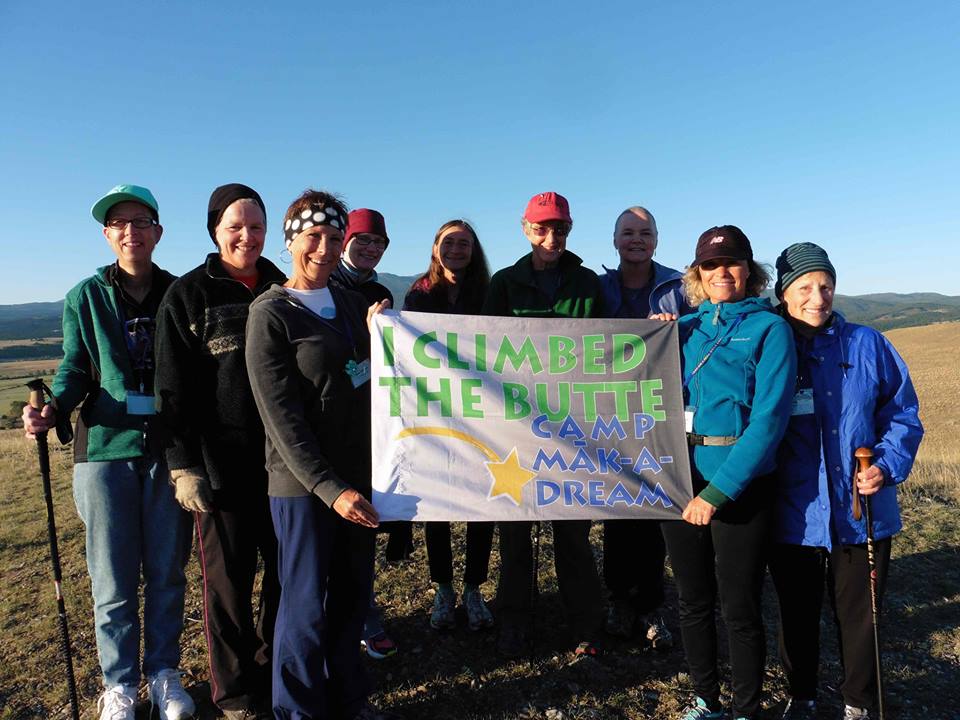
[133, 522]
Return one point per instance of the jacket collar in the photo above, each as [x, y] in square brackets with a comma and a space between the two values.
[351, 277]
[727, 311]
[661, 274]
[567, 263]
[269, 273]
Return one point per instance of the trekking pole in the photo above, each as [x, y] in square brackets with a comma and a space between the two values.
[864, 456]
[37, 389]
[534, 590]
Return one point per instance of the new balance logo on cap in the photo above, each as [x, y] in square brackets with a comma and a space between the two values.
[717, 240]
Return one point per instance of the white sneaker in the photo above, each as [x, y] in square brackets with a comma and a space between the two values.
[168, 695]
[118, 703]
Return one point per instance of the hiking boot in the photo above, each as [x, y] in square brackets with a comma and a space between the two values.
[512, 642]
[379, 646]
[800, 710]
[118, 703]
[168, 696]
[370, 712]
[854, 713]
[478, 614]
[657, 633]
[587, 648]
[621, 618]
[700, 710]
[444, 616]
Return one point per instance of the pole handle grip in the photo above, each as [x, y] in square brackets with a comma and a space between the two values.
[863, 456]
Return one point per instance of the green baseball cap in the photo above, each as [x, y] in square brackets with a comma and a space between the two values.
[124, 193]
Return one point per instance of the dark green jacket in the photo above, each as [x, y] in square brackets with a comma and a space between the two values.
[513, 291]
[96, 371]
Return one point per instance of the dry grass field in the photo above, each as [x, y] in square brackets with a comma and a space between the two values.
[458, 675]
[14, 376]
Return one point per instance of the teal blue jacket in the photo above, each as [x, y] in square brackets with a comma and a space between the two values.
[743, 390]
[96, 371]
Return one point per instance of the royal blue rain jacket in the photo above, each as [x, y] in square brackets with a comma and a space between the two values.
[743, 390]
[862, 397]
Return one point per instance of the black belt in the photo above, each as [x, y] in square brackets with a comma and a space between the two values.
[711, 440]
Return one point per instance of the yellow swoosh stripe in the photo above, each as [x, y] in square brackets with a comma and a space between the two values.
[446, 432]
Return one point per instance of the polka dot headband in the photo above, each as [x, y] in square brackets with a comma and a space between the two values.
[314, 215]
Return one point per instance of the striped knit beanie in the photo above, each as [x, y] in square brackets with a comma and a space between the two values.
[799, 259]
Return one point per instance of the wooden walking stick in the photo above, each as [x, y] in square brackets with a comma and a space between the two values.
[864, 456]
[37, 388]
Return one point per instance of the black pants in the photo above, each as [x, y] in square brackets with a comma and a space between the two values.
[798, 574]
[399, 540]
[239, 637]
[633, 554]
[726, 558]
[440, 555]
[576, 575]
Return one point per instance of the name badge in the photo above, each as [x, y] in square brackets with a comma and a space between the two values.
[359, 372]
[140, 404]
[802, 402]
[688, 413]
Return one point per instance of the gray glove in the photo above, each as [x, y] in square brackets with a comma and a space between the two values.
[193, 490]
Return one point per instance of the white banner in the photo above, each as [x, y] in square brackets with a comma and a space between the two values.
[492, 418]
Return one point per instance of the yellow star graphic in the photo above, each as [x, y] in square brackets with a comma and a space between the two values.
[509, 477]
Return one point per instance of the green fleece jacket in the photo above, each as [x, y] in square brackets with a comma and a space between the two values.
[514, 291]
[96, 371]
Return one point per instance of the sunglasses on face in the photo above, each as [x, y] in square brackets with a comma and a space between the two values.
[559, 229]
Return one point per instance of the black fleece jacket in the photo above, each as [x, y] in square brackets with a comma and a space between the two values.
[203, 395]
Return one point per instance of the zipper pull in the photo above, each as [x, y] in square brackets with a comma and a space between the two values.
[716, 315]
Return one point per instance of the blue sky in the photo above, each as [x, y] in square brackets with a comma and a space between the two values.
[831, 122]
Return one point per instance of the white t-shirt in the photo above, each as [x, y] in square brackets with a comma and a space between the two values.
[320, 302]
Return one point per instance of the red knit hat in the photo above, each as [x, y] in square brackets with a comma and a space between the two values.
[547, 206]
[364, 220]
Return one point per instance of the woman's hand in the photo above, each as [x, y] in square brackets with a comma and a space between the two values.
[35, 421]
[664, 317]
[871, 480]
[698, 512]
[375, 309]
[352, 506]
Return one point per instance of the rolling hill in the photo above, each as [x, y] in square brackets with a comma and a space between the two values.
[883, 311]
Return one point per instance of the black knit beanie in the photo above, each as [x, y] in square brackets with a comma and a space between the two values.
[222, 198]
[799, 259]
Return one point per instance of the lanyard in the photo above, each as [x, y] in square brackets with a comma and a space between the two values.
[703, 361]
[340, 324]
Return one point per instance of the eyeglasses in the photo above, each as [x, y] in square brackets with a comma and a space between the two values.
[140, 223]
[366, 240]
[560, 229]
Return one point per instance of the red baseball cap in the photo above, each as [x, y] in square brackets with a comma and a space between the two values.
[364, 220]
[547, 206]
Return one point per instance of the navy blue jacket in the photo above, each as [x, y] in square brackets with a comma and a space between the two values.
[666, 292]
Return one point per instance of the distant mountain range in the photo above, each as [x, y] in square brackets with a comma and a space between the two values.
[883, 311]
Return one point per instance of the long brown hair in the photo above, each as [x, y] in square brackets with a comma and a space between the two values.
[476, 276]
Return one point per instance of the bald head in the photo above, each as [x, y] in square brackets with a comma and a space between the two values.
[640, 212]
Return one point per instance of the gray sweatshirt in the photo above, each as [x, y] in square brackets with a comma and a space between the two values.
[317, 423]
